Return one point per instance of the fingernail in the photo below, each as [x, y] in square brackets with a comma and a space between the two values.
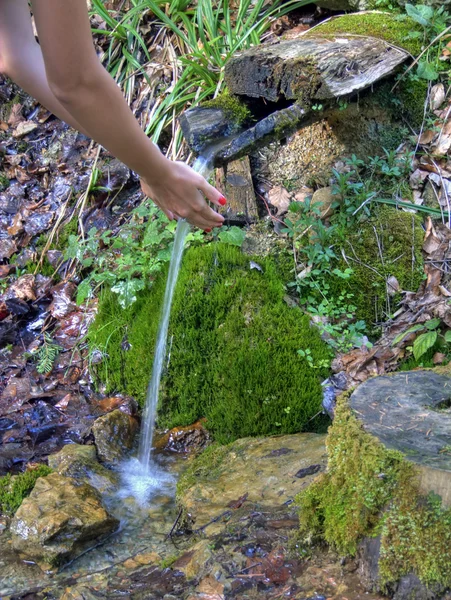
[222, 201]
[207, 230]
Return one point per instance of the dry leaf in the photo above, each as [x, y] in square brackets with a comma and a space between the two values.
[280, 198]
[24, 128]
[426, 137]
[15, 116]
[437, 96]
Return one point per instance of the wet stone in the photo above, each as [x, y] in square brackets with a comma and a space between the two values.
[80, 463]
[59, 520]
[113, 435]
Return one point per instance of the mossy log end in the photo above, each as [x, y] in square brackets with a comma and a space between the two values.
[314, 68]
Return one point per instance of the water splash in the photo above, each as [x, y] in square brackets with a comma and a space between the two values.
[202, 166]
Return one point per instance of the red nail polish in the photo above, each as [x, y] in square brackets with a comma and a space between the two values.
[222, 201]
[207, 230]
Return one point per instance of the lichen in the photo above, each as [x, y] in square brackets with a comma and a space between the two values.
[369, 490]
[234, 109]
[394, 29]
[389, 244]
[14, 488]
[232, 348]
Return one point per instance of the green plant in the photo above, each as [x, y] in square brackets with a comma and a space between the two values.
[322, 363]
[46, 355]
[232, 348]
[14, 488]
[428, 338]
[203, 38]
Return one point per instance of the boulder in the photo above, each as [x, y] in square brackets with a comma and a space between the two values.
[261, 471]
[114, 434]
[80, 463]
[60, 519]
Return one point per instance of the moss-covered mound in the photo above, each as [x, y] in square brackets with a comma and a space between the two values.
[232, 348]
[369, 490]
[389, 244]
[14, 488]
[394, 29]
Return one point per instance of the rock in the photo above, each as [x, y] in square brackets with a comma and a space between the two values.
[322, 200]
[192, 562]
[416, 420]
[113, 435]
[313, 68]
[80, 463]
[201, 125]
[263, 468]
[60, 520]
[81, 592]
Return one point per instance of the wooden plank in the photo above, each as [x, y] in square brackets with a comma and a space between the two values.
[235, 182]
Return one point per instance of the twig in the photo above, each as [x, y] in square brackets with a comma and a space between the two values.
[175, 524]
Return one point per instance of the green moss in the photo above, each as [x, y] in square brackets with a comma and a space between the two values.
[233, 345]
[412, 94]
[369, 490]
[393, 29]
[388, 244]
[70, 228]
[234, 108]
[4, 182]
[14, 488]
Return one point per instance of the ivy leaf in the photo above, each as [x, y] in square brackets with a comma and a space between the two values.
[426, 70]
[420, 13]
[423, 343]
[126, 291]
[448, 336]
[234, 236]
[433, 324]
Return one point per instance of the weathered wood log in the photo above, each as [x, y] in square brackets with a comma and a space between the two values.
[235, 181]
[312, 68]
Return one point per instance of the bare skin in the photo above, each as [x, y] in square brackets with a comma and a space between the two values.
[64, 74]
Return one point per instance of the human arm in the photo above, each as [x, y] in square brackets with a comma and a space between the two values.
[88, 93]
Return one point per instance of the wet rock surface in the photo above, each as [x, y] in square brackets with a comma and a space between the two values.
[256, 471]
[59, 520]
[80, 463]
[411, 412]
[113, 435]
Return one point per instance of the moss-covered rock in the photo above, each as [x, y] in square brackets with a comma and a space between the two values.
[392, 28]
[14, 488]
[369, 490]
[389, 244]
[231, 105]
[232, 348]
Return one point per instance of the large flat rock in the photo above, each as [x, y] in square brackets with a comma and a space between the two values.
[266, 472]
[411, 412]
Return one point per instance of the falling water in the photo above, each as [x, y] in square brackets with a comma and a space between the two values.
[202, 166]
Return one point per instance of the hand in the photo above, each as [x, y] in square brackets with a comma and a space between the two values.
[178, 192]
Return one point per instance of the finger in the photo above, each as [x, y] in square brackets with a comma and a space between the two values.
[206, 221]
[212, 193]
[170, 215]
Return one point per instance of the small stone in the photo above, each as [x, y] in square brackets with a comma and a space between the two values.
[148, 558]
[113, 435]
[192, 562]
[130, 564]
[323, 200]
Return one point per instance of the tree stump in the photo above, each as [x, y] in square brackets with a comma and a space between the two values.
[235, 181]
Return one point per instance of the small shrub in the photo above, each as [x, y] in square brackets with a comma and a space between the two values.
[14, 488]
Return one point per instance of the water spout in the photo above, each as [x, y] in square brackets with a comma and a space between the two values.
[203, 166]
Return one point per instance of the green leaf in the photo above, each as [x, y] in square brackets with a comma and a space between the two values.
[83, 291]
[448, 336]
[420, 13]
[433, 324]
[234, 236]
[423, 343]
[403, 334]
[427, 70]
